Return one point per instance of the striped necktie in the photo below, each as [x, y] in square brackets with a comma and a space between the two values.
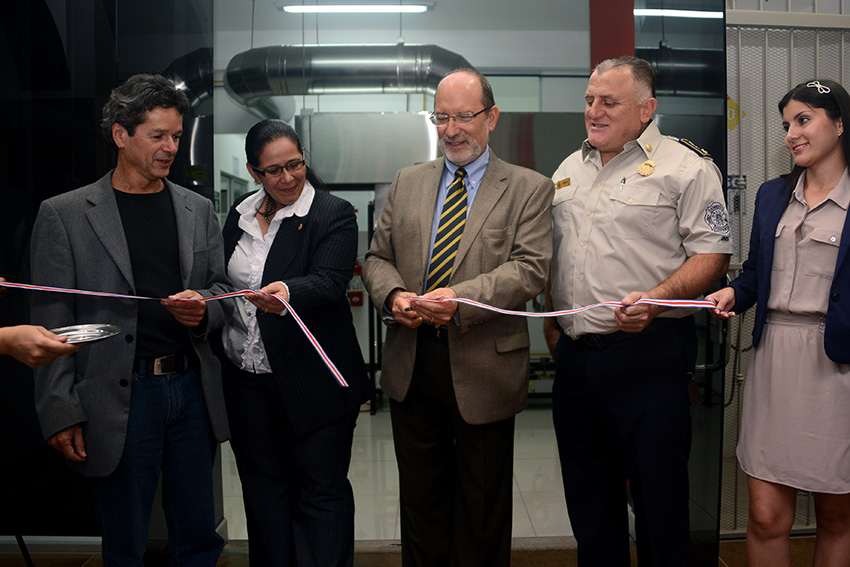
[449, 231]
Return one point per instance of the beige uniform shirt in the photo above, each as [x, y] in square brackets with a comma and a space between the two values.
[629, 225]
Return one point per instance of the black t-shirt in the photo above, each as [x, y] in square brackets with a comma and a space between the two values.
[151, 231]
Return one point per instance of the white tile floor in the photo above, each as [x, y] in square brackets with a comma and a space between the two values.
[539, 509]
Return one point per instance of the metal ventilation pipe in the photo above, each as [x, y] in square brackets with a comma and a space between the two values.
[253, 76]
[193, 74]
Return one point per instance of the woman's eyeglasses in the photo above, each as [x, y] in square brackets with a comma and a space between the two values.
[277, 170]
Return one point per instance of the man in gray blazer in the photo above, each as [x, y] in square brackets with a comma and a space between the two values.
[150, 399]
[457, 375]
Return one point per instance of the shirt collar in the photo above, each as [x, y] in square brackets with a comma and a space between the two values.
[840, 195]
[474, 169]
[648, 142]
[300, 208]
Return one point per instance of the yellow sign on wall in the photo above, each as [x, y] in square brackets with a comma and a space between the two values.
[733, 113]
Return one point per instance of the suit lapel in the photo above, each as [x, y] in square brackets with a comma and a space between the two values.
[844, 245]
[286, 244]
[185, 217]
[106, 223]
[493, 185]
[427, 208]
[774, 214]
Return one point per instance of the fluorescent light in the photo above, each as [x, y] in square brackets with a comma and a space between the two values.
[678, 13]
[355, 8]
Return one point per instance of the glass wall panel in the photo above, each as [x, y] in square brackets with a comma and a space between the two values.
[59, 61]
[688, 55]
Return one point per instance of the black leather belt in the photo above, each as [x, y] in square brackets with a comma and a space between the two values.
[602, 342]
[168, 364]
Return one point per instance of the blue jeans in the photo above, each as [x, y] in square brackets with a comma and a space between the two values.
[168, 430]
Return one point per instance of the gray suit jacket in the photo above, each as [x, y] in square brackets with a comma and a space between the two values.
[503, 260]
[78, 242]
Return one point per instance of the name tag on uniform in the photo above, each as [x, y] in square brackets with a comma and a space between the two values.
[562, 183]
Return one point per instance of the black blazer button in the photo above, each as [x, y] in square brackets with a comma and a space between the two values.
[836, 296]
[128, 338]
[123, 383]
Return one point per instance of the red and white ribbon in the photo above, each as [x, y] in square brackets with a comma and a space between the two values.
[321, 352]
[324, 356]
[687, 303]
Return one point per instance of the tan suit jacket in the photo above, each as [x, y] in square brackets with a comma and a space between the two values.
[503, 260]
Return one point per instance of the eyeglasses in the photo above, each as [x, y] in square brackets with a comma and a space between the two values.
[460, 118]
[277, 170]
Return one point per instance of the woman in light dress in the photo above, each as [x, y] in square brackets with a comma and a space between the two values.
[795, 429]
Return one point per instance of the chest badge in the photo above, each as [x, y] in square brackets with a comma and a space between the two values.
[646, 168]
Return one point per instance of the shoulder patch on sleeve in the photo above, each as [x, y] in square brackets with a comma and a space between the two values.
[716, 218]
[693, 147]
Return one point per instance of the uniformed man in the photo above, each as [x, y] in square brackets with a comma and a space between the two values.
[636, 214]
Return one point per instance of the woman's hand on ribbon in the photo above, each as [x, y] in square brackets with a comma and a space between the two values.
[188, 307]
[436, 312]
[724, 301]
[264, 300]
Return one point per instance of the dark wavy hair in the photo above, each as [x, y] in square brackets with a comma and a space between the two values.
[836, 104]
[129, 102]
[266, 131]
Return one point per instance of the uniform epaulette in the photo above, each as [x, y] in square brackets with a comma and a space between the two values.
[689, 144]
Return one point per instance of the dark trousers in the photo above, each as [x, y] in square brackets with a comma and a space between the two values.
[455, 479]
[168, 430]
[299, 505]
[622, 414]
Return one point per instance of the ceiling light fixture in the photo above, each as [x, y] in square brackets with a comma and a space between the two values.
[371, 7]
[678, 13]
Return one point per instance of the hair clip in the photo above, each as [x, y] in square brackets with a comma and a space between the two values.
[822, 89]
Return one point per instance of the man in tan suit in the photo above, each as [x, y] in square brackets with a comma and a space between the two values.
[457, 375]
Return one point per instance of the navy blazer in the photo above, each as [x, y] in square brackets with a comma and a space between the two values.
[753, 285]
[314, 255]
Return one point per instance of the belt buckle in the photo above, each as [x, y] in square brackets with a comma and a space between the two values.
[165, 365]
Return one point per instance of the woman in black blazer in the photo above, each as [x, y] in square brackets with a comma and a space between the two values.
[291, 422]
[795, 425]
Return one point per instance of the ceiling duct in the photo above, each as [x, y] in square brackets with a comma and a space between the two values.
[193, 74]
[253, 76]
